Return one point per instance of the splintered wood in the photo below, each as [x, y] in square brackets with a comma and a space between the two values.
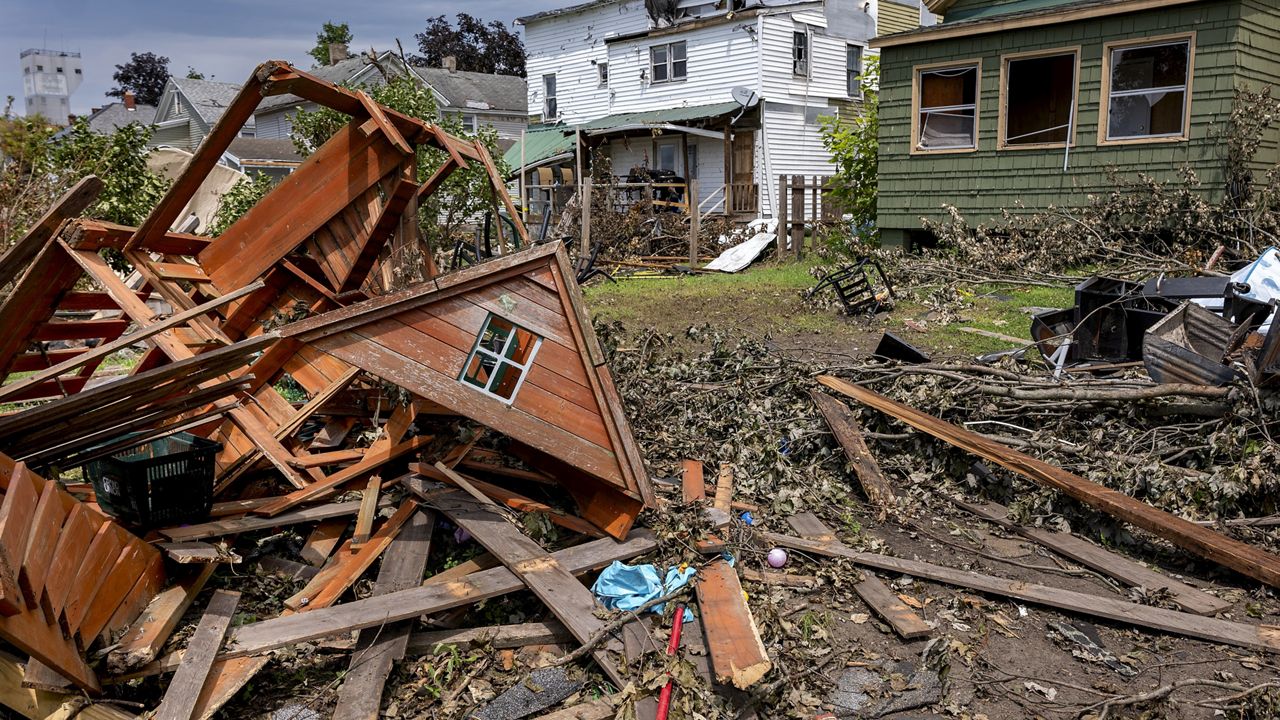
[737, 653]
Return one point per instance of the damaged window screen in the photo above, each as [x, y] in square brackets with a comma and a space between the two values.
[501, 358]
[1148, 93]
[1039, 96]
[948, 108]
[667, 62]
[800, 52]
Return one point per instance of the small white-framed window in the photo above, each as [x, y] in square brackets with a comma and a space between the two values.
[550, 110]
[800, 52]
[853, 71]
[602, 70]
[666, 154]
[470, 124]
[946, 107]
[668, 62]
[500, 360]
[1147, 90]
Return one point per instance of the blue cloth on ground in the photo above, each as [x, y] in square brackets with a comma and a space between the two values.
[627, 587]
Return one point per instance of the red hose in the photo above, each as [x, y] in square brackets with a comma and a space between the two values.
[664, 698]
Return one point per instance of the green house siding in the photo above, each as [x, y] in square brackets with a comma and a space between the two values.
[1236, 43]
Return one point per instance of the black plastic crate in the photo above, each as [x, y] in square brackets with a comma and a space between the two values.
[164, 482]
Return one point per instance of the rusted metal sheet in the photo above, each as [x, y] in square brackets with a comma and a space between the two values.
[1187, 346]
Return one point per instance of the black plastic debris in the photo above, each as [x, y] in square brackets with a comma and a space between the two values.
[892, 347]
[1188, 346]
[861, 287]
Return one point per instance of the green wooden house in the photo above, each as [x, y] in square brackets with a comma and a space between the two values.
[1023, 104]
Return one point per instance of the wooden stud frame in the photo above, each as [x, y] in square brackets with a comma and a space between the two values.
[1072, 128]
[916, 71]
[1104, 96]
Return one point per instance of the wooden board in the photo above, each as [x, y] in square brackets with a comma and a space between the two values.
[348, 564]
[323, 539]
[41, 705]
[143, 641]
[235, 526]
[16, 513]
[1102, 560]
[1258, 637]
[74, 201]
[738, 656]
[724, 488]
[904, 621]
[180, 697]
[1215, 547]
[849, 435]
[368, 508]
[692, 485]
[377, 649]
[373, 460]
[565, 596]
[512, 500]
[497, 637]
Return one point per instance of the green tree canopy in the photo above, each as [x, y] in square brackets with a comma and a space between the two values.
[329, 33]
[144, 75]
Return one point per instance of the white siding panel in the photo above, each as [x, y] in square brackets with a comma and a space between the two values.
[507, 127]
[794, 145]
[720, 58]
[274, 125]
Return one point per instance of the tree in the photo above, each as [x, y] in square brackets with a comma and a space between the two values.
[329, 33]
[144, 75]
[194, 74]
[855, 151]
[478, 46]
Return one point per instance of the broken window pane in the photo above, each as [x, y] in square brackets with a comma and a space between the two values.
[550, 108]
[948, 108]
[1148, 94]
[501, 357]
[800, 53]
[1039, 96]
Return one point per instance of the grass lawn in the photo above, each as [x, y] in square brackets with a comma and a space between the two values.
[766, 300]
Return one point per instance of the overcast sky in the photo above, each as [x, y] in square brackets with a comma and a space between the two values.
[224, 39]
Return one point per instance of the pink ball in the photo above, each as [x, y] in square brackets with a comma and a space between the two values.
[777, 557]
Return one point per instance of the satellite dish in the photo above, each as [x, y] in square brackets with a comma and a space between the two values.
[745, 96]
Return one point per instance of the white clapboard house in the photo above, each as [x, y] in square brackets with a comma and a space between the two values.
[726, 92]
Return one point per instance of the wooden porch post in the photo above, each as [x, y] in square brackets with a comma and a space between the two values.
[784, 230]
[797, 211]
[728, 172]
[584, 249]
[694, 225]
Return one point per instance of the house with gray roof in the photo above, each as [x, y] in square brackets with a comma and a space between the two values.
[477, 99]
[189, 109]
[113, 116]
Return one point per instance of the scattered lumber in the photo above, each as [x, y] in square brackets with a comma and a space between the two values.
[186, 553]
[1215, 547]
[511, 499]
[849, 435]
[1098, 558]
[882, 601]
[142, 643]
[180, 698]
[368, 508]
[737, 653]
[1214, 630]
[349, 563]
[498, 637]
[42, 705]
[73, 202]
[235, 526]
[377, 649]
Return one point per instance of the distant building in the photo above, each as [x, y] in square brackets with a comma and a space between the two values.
[48, 79]
[113, 116]
[188, 110]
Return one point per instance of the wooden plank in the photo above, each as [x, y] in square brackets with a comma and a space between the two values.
[125, 341]
[73, 202]
[348, 564]
[376, 239]
[1102, 560]
[149, 584]
[738, 656]
[16, 513]
[563, 594]
[45, 527]
[180, 697]
[374, 110]
[407, 604]
[373, 460]
[1241, 557]
[179, 271]
[904, 621]
[32, 301]
[128, 570]
[288, 568]
[336, 457]
[1214, 630]
[80, 529]
[196, 553]
[849, 435]
[377, 649]
[483, 561]
[143, 641]
[324, 538]
[368, 508]
[235, 526]
[724, 488]
[41, 705]
[512, 500]
[692, 484]
[79, 330]
[99, 559]
[497, 637]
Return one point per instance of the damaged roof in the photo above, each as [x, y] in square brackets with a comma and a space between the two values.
[209, 97]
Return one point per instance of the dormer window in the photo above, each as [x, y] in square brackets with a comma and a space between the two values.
[500, 359]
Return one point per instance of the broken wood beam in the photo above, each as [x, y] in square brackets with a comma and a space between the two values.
[877, 596]
[849, 435]
[368, 508]
[179, 701]
[498, 637]
[372, 460]
[142, 643]
[738, 656]
[235, 526]
[1215, 547]
[73, 202]
[377, 649]
[511, 499]
[348, 563]
[42, 705]
[1214, 630]
[1100, 559]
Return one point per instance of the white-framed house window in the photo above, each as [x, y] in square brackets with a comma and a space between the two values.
[800, 52]
[944, 102]
[853, 71]
[667, 62]
[550, 110]
[470, 123]
[500, 360]
[602, 70]
[666, 154]
[1146, 90]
